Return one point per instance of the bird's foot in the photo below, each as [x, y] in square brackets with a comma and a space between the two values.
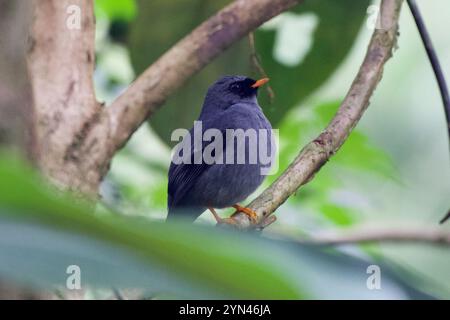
[247, 211]
[230, 221]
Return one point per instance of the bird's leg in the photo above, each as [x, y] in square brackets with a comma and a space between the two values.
[247, 211]
[220, 220]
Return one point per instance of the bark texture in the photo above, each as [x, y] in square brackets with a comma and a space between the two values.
[70, 137]
[16, 127]
[16, 116]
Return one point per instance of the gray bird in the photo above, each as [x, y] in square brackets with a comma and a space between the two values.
[230, 103]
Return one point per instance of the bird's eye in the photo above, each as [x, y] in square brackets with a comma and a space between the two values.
[235, 86]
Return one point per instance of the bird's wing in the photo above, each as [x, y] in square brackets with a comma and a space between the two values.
[182, 177]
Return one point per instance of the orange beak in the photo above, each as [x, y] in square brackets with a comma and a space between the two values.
[260, 82]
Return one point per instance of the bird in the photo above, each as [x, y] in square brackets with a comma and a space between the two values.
[193, 187]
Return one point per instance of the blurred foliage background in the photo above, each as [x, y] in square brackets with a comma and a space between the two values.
[393, 170]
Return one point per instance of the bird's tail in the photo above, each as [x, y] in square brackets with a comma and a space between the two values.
[187, 214]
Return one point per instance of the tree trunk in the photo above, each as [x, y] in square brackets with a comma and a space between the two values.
[71, 131]
[16, 121]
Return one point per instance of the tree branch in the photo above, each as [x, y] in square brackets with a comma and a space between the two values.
[187, 57]
[428, 235]
[257, 65]
[316, 153]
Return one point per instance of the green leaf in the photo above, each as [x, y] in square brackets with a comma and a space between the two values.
[177, 248]
[340, 216]
[124, 10]
[152, 34]
[357, 152]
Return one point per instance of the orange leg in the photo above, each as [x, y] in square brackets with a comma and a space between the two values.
[220, 220]
[247, 211]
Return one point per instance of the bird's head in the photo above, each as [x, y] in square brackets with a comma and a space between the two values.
[230, 90]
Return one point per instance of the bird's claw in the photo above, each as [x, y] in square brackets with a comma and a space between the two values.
[251, 214]
[222, 221]
[248, 212]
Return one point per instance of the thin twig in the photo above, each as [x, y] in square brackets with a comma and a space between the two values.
[360, 235]
[117, 294]
[255, 60]
[447, 216]
[317, 153]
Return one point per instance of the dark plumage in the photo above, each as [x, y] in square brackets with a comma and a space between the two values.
[229, 104]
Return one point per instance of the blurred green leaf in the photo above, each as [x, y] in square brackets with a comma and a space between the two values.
[338, 215]
[41, 233]
[181, 249]
[357, 152]
[124, 10]
[152, 34]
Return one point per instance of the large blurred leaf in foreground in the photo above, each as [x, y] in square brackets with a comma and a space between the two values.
[194, 255]
[338, 23]
[42, 233]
